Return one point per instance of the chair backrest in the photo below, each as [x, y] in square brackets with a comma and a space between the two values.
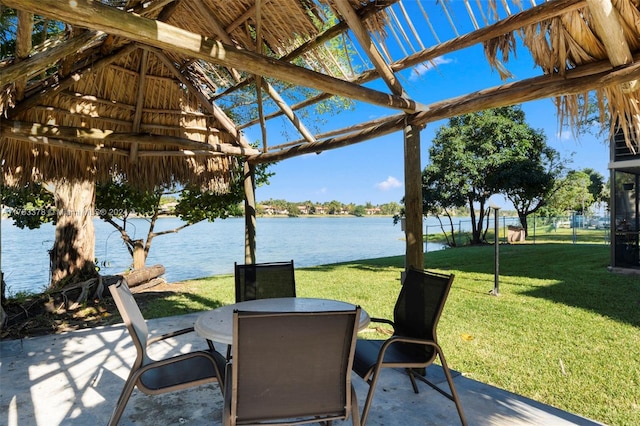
[264, 281]
[419, 305]
[292, 365]
[132, 318]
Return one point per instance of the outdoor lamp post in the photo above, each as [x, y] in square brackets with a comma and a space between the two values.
[496, 243]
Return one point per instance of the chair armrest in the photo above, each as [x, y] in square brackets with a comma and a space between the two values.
[169, 335]
[403, 339]
[383, 321]
[179, 357]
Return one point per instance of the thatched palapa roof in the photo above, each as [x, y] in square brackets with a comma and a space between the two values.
[161, 89]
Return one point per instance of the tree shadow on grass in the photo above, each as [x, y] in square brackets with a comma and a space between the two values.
[161, 304]
[573, 275]
[619, 301]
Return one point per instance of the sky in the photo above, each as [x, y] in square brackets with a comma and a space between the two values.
[372, 171]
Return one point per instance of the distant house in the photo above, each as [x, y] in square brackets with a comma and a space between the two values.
[321, 210]
[168, 208]
[273, 210]
[375, 210]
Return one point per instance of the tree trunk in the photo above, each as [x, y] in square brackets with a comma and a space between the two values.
[144, 275]
[523, 222]
[73, 253]
[139, 255]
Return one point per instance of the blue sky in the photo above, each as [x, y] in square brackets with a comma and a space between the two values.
[372, 171]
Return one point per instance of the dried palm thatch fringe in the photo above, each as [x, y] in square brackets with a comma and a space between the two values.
[567, 41]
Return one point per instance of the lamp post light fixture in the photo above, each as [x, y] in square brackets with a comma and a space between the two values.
[496, 244]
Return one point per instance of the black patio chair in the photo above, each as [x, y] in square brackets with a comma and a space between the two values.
[291, 368]
[414, 344]
[154, 377]
[264, 280]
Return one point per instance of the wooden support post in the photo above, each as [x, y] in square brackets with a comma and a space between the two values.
[249, 214]
[414, 256]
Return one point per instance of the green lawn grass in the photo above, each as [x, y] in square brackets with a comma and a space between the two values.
[563, 331]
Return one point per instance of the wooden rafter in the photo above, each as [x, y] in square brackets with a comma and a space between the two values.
[137, 116]
[284, 108]
[92, 139]
[316, 41]
[218, 31]
[250, 12]
[33, 100]
[599, 74]
[288, 112]
[606, 22]
[23, 46]
[546, 10]
[145, 8]
[40, 61]
[158, 34]
[222, 118]
[363, 37]
[512, 23]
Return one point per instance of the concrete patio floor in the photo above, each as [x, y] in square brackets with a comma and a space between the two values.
[75, 379]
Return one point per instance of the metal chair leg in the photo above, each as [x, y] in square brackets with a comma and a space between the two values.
[122, 401]
[367, 404]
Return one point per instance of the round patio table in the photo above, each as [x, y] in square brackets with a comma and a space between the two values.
[217, 324]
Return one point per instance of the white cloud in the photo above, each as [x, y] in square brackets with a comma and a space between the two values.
[388, 184]
[564, 135]
[425, 67]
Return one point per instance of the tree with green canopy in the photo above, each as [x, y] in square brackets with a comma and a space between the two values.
[572, 194]
[597, 185]
[473, 156]
[441, 197]
[530, 181]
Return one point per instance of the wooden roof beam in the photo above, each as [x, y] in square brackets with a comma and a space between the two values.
[41, 60]
[326, 35]
[146, 8]
[363, 37]
[80, 138]
[137, 116]
[282, 105]
[575, 81]
[218, 30]
[352, 129]
[512, 23]
[544, 11]
[288, 112]
[606, 22]
[224, 120]
[23, 47]
[243, 18]
[70, 80]
[111, 20]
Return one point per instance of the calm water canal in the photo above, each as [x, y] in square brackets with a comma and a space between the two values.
[207, 249]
